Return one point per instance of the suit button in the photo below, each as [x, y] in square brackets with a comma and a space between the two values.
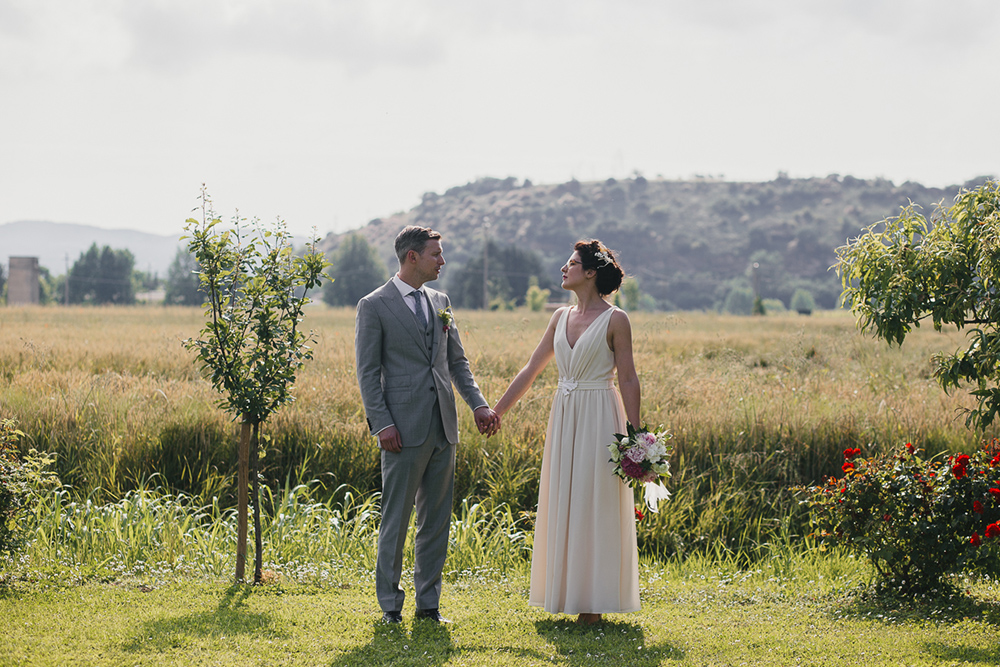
[432, 389]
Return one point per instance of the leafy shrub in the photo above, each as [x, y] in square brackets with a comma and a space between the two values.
[20, 482]
[916, 520]
[536, 297]
[739, 301]
[802, 301]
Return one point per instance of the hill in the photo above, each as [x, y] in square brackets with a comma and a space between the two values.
[55, 242]
[688, 243]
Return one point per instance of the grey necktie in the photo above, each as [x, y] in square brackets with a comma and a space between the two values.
[419, 311]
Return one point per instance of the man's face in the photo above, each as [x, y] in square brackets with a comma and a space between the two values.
[430, 261]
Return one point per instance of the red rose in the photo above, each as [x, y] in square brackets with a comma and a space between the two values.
[994, 461]
[992, 530]
[958, 470]
[995, 492]
[847, 466]
[910, 448]
[977, 507]
[975, 541]
[963, 459]
[887, 518]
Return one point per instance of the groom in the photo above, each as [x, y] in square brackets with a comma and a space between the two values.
[408, 356]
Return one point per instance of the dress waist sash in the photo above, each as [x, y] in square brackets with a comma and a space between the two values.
[568, 385]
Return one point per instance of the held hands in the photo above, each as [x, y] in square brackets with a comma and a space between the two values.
[487, 421]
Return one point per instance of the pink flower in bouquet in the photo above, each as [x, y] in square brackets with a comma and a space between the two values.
[635, 454]
[648, 439]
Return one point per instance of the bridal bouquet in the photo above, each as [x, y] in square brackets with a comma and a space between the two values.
[643, 457]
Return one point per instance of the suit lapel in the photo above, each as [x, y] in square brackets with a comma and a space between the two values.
[407, 320]
[432, 318]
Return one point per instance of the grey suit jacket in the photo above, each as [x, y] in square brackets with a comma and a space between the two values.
[400, 378]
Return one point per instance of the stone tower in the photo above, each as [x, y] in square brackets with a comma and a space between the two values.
[22, 284]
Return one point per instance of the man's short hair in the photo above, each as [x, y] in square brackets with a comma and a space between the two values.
[413, 238]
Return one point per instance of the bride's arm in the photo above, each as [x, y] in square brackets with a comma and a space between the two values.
[620, 335]
[540, 358]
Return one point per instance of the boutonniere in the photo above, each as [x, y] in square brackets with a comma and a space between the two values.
[447, 319]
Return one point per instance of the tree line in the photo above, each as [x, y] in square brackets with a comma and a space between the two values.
[513, 277]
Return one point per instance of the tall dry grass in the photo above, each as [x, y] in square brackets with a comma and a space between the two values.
[756, 405]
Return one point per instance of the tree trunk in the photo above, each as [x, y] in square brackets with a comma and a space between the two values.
[242, 482]
[258, 548]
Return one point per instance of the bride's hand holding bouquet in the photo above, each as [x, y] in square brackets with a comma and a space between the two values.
[642, 457]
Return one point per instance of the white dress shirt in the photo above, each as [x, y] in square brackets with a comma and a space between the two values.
[406, 289]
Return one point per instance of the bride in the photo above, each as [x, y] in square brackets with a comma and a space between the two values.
[585, 559]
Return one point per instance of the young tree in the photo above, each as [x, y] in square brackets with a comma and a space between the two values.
[905, 270]
[251, 346]
[357, 270]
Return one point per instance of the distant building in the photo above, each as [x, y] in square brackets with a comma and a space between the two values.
[22, 284]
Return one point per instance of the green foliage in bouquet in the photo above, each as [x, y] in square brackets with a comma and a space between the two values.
[916, 520]
[21, 479]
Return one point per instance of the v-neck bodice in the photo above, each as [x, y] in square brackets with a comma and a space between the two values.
[589, 359]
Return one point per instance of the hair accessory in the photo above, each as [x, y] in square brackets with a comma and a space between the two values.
[604, 256]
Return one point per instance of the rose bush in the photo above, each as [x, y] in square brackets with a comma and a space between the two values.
[916, 520]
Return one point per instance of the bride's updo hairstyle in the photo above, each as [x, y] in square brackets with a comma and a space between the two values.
[596, 256]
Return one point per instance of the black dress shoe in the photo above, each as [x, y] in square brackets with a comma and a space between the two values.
[431, 615]
[392, 617]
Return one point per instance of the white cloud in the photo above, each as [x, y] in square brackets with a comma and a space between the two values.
[334, 112]
[176, 34]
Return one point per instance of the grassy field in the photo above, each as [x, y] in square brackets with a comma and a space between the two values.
[756, 405]
[692, 615]
[129, 559]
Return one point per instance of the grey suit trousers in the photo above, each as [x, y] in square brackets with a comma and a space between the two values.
[425, 476]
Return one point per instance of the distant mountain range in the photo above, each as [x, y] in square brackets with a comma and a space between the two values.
[57, 244]
[688, 243]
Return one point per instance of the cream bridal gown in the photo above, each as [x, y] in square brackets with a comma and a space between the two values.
[585, 558]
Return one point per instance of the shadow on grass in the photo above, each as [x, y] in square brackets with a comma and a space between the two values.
[892, 609]
[229, 619]
[428, 643]
[609, 642]
[963, 654]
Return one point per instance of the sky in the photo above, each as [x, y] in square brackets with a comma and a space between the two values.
[329, 113]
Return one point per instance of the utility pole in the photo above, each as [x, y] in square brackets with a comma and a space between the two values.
[66, 291]
[486, 262]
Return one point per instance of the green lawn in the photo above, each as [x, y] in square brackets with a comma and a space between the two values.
[688, 617]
